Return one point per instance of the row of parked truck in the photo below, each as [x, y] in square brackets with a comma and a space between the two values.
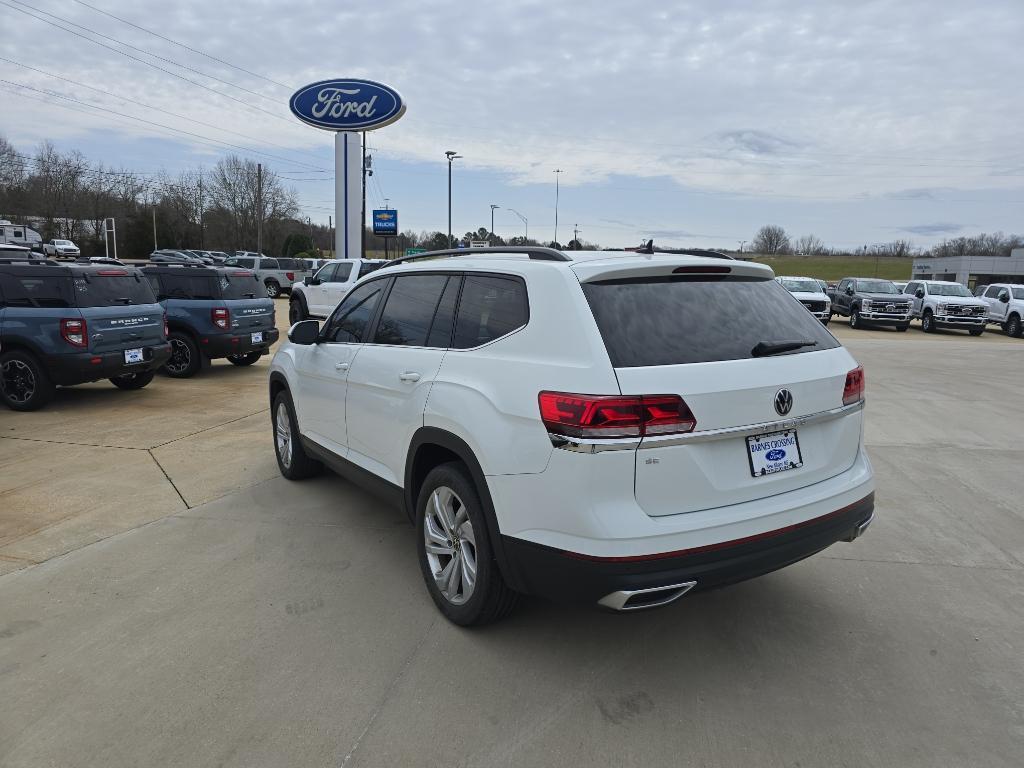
[63, 324]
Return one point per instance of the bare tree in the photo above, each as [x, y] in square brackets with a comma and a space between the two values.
[898, 248]
[233, 195]
[809, 245]
[771, 239]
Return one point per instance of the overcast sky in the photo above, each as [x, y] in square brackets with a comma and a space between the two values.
[694, 123]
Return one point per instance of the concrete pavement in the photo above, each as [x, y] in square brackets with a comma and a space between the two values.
[231, 618]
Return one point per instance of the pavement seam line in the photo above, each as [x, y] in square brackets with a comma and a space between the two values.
[169, 480]
[922, 562]
[207, 429]
[387, 693]
[71, 442]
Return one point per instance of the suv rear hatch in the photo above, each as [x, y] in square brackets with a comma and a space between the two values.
[250, 309]
[119, 309]
[713, 335]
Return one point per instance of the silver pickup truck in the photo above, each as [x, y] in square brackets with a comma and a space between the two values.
[276, 278]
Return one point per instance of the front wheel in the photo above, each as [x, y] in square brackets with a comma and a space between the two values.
[244, 360]
[827, 319]
[273, 289]
[455, 552]
[1013, 326]
[132, 380]
[928, 322]
[24, 385]
[292, 459]
[855, 318]
[976, 331]
[297, 311]
[902, 327]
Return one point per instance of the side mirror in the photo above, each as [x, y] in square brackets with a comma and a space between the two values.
[849, 290]
[919, 293]
[306, 332]
[1004, 297]
[314, 281]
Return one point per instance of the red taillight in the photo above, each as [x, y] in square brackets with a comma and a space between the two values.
[220, 316]
[73, 331]
[853, 392]
[112, 272]
[614, 415]
[290, 275]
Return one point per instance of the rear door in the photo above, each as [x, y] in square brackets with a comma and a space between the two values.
[391, 377]
[120, 310]
[697, 337]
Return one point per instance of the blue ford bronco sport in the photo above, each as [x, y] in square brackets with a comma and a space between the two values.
[212, 312]
[71, 324]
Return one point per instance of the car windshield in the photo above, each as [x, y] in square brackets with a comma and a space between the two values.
[795, 284]
[876, 286]
[946, 289]
[62, 242]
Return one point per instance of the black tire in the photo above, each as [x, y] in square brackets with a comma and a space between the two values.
[855, 318]
[297, 310]
[465, 537]
[902, 327]
[294, 462]
[1013, 326]
[827, 320]
[24, 384]
[185, 361]
[133, 380]
[928, 322]
[273, 289]
[976, 331]
[244, 360]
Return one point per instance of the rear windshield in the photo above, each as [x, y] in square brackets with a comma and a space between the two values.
[239, 285]
[96, 289]
[187, 286]
[675, 320]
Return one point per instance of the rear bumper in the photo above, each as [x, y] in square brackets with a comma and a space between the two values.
[570, 576]
[226, 344]
[81, 367]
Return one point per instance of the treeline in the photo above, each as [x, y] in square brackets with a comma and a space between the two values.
[62, 195]
[773, 240]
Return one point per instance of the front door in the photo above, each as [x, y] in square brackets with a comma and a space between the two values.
[316, 292]
[338, 285]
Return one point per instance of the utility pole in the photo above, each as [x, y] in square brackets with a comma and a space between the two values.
[576, 233]
[493, 206]
[362, 221]
[259, 208]
[557, 172]
[742, 243]
[451, 155]
[201, 245]
[154, 225]
[330, 230]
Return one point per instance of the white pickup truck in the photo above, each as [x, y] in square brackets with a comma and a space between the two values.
[1005, 306]
[321, 293]
[942, 304]
[275, 278]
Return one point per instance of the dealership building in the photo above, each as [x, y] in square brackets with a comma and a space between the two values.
[972, 270]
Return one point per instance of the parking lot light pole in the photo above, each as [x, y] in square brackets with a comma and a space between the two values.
[493, 206]
[526, 224]
[557, 171]
[451, 155]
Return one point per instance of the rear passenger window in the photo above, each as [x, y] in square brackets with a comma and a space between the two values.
[410, 310]
[490, 307]
[38, 292]
[349, 321]
[367, 267]
[266, 263]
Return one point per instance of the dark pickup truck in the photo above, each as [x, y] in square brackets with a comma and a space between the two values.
[871, 301]
[71, 324]
[212, 312]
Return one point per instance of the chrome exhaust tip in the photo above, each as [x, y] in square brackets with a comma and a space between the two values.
[859, 530]
[638, 599]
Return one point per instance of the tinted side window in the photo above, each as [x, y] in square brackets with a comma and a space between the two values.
[367, 267]
[326, 275]
[409, 310]
[444, 318]
[672, 321]
[992, 292]
[490, 307]
[51, 292]
[349, 321]
[247, 263]
[266, 263]
[344, 270]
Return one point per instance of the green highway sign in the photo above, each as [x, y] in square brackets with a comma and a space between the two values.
[414, 251]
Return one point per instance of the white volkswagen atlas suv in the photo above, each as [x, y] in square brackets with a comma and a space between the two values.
[601, 427]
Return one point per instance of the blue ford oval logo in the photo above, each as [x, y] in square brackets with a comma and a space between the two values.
[347, 105]
[776, 454]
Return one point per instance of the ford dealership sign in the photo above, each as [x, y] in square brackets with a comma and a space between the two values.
[347, 105]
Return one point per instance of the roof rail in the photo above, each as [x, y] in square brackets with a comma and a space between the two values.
[537, 253]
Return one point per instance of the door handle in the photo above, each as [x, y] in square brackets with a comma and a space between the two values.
[341, 366]
[409, 376]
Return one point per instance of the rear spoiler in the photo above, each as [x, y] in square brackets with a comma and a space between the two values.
[668, 265]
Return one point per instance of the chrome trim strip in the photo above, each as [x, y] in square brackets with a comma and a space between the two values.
[750, 429]
[594, 445]
[617, 600]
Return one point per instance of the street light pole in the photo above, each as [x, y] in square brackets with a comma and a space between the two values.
[742, 243]
[451, 155]
[526, 224]
[493, 206]
[557, 171]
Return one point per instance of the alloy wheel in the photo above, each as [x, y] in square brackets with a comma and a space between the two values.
[283, 435]
[18, 381]
[450, 545]
[181, 357]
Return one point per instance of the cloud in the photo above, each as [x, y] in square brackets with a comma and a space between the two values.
[932, 229]
[754, 142]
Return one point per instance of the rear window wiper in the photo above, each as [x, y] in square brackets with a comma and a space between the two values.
[764, 348]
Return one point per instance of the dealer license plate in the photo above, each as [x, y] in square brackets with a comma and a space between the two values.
[132, 356]
[257, 338]
[774, 452]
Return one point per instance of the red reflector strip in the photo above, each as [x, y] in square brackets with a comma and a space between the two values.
[112, 272]
[869, 499]
[241, 274]
[96, 360]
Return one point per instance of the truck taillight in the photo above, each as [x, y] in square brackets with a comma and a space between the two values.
[221, 317]
[853, 392]
[290, 275]
[73, 331]
[614, 415]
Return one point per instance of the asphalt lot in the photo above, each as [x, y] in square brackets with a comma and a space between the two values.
[167, 599]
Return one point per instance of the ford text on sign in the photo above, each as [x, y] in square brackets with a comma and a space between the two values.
[347, 105]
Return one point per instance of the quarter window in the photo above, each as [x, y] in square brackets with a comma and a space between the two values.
[38, 292]
[410, 310]
[490, 308]
[349, 321]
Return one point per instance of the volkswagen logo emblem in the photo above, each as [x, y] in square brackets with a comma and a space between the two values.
[783, 402]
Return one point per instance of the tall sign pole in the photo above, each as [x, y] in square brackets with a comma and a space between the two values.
[349, 107]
